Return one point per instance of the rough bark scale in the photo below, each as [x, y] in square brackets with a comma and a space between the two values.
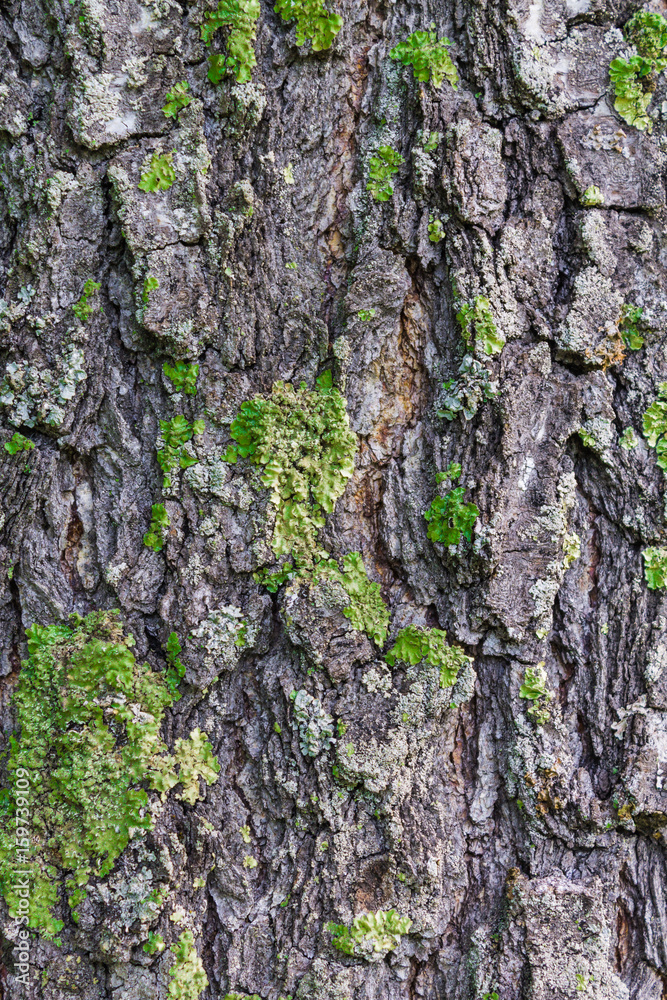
[499, 838]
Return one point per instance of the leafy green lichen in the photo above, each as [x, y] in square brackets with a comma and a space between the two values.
[415, 644]
[154, 944]
[175, 668]
[371, 935]
[381, 169]
[449, 517]
[655, 567]
[592, 196]
[634, 78]
[477, 319]
[150, 285]
[178, 98]
[313, 21]
[655, 425]
[160, 175]
[428, 56]
[160, 521]
[183, 376]
[465, 393]
[628, 439]
[194, 756]
[302, 441]
[312, 724]
[648, 33]
[18, 442]
[534, 689]
[176, 433]
[89, 719]
[436, 230]
[82, 309]
[240, 16]
[367, 611]
[629, 326]
[631, 99]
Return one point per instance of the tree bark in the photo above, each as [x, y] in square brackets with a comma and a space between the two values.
[527, 848]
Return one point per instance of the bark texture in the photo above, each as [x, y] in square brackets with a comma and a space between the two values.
[530, 858]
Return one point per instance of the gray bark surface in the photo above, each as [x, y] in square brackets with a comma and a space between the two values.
[501, 839]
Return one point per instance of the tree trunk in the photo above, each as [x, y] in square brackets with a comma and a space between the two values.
[491, 297]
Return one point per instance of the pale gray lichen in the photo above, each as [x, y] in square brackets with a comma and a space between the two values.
[424, 164]
[222, 635]
[377, 680]
[426, 699]
[95, 112]
[598, 435]
[628, 439]
[33, 395]
[552, 524]
[315, 728]
[596, 307]
[595, 238]
[249, 103]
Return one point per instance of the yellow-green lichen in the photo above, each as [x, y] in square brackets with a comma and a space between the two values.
[187, 977]
[89, 719]
[313, 21]
[302, 441]
[240, 17]
[370, 935]
[415, 644]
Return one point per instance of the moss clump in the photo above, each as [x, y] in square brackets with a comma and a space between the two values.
[413, 645]
[302, 441]
[187, 977]
[371, 935]
[89, 720]
[313, 21]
